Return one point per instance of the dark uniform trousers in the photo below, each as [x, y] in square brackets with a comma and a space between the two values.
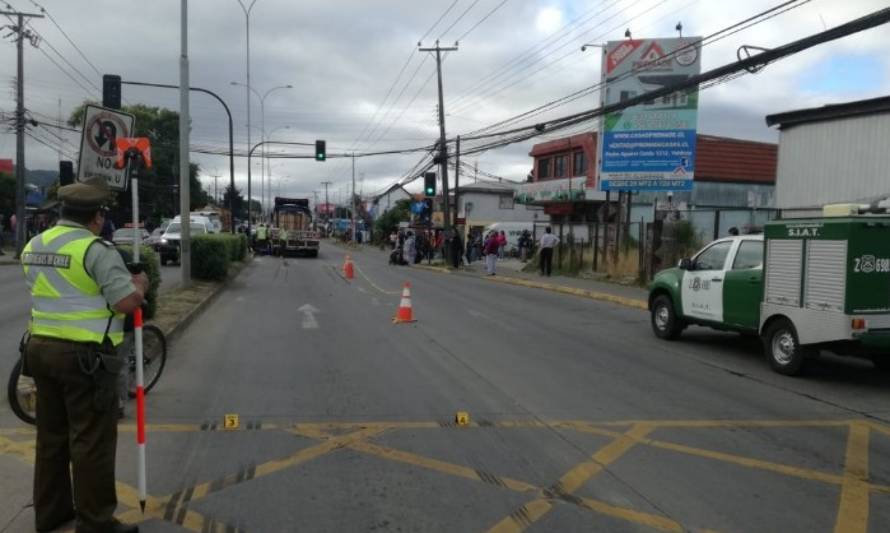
[74, 426]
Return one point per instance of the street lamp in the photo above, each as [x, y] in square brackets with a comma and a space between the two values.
[262, 99]
[247, 9]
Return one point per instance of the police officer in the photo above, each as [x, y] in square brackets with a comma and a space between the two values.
[80, 292]
[282, 241]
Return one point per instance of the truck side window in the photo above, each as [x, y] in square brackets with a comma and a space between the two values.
[750, 255]
[713, 258]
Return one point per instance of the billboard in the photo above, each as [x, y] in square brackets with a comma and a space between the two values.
[651, 146]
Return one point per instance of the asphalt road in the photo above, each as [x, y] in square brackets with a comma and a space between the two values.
[580, 420]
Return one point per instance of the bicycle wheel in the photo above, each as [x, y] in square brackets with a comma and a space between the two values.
[22, 393]
[154, 357]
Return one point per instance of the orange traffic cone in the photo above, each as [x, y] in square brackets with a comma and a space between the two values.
[348, 269]
[405, 313]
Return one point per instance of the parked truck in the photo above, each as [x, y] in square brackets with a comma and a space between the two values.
[294, 217]
[803, 286]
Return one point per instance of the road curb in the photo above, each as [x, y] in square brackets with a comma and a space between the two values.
[441, 270]
[185, 321]
[574, 291]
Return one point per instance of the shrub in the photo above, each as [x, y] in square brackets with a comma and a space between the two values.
[210, 257]
[242, 246]
[152, 269]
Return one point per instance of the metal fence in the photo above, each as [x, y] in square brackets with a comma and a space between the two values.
[637, 249]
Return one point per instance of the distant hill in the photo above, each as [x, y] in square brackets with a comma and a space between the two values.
[42, 178]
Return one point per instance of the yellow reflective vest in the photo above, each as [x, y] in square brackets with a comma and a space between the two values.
[261, 233]
[66, 303]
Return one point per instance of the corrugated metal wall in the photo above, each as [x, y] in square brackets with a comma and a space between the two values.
[835, 161]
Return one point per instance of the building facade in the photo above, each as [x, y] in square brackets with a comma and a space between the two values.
[833, 154]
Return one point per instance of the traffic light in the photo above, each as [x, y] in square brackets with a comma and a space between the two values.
[429, 184]
[111, 91]
[66, 173]
[320, 151]
[427, 214]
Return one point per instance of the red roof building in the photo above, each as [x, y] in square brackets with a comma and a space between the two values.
[718, 159]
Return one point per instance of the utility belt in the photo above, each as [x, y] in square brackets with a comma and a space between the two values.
[100, 362]
[103, 364]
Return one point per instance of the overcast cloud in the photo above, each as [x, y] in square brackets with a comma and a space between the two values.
[342, 56]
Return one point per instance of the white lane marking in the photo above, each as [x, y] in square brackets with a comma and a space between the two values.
[362, 289]
[309, 321]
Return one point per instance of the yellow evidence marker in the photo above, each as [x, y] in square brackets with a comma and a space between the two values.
[462, 418]
[231, 421]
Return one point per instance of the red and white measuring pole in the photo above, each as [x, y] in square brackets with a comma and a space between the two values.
[137, 151]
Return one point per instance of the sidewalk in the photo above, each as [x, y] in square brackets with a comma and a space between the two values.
[509, 271]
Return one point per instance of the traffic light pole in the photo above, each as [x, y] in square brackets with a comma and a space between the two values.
[231, 134]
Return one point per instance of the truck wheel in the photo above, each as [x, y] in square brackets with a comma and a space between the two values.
[665, 322]
[786, 355]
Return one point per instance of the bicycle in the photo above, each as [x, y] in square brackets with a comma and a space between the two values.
[22, 391]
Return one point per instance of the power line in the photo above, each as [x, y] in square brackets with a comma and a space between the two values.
[458, 19]
[56, 24]
[480, 21]
[710, 39]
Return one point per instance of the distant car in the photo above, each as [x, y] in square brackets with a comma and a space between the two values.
[168, 246]
[155, 238]
[125, 236]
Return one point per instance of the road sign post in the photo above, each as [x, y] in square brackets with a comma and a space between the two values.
[98, 145]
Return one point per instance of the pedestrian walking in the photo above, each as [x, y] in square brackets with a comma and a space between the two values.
[410, 248]
[548, 241]
[393, 239]
[457, 250]
[80, 291]
[490, 249]
[525, 244]
[502, 244]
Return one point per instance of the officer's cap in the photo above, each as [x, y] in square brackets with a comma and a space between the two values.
[89, 194]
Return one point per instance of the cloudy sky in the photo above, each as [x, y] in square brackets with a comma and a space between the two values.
[360, 83]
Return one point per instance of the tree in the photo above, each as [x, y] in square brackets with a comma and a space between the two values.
[389, 221]
[159, 186]
[234, 198]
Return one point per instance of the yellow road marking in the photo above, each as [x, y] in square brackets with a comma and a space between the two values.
[572, 480]
[646, 519]
[581, 473]
[23, 450]
[523, 517]
[881, 428]
[804, 473]
[852, 515]
[436, 465]
[392, 454]
[302, 456]
[376, 287]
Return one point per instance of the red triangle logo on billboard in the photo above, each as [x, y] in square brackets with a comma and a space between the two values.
[620, 53]
[652, 54]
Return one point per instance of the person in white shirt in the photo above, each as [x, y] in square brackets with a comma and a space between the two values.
[548, 241]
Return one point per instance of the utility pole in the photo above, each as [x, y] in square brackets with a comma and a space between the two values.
[443, 148]
[456, 179]
[185, 197]
[327, 204]
[22, 34]
[216, 187]
[353, 197]
[247, 9]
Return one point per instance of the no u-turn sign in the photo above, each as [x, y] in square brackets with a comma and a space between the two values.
[98, 144]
